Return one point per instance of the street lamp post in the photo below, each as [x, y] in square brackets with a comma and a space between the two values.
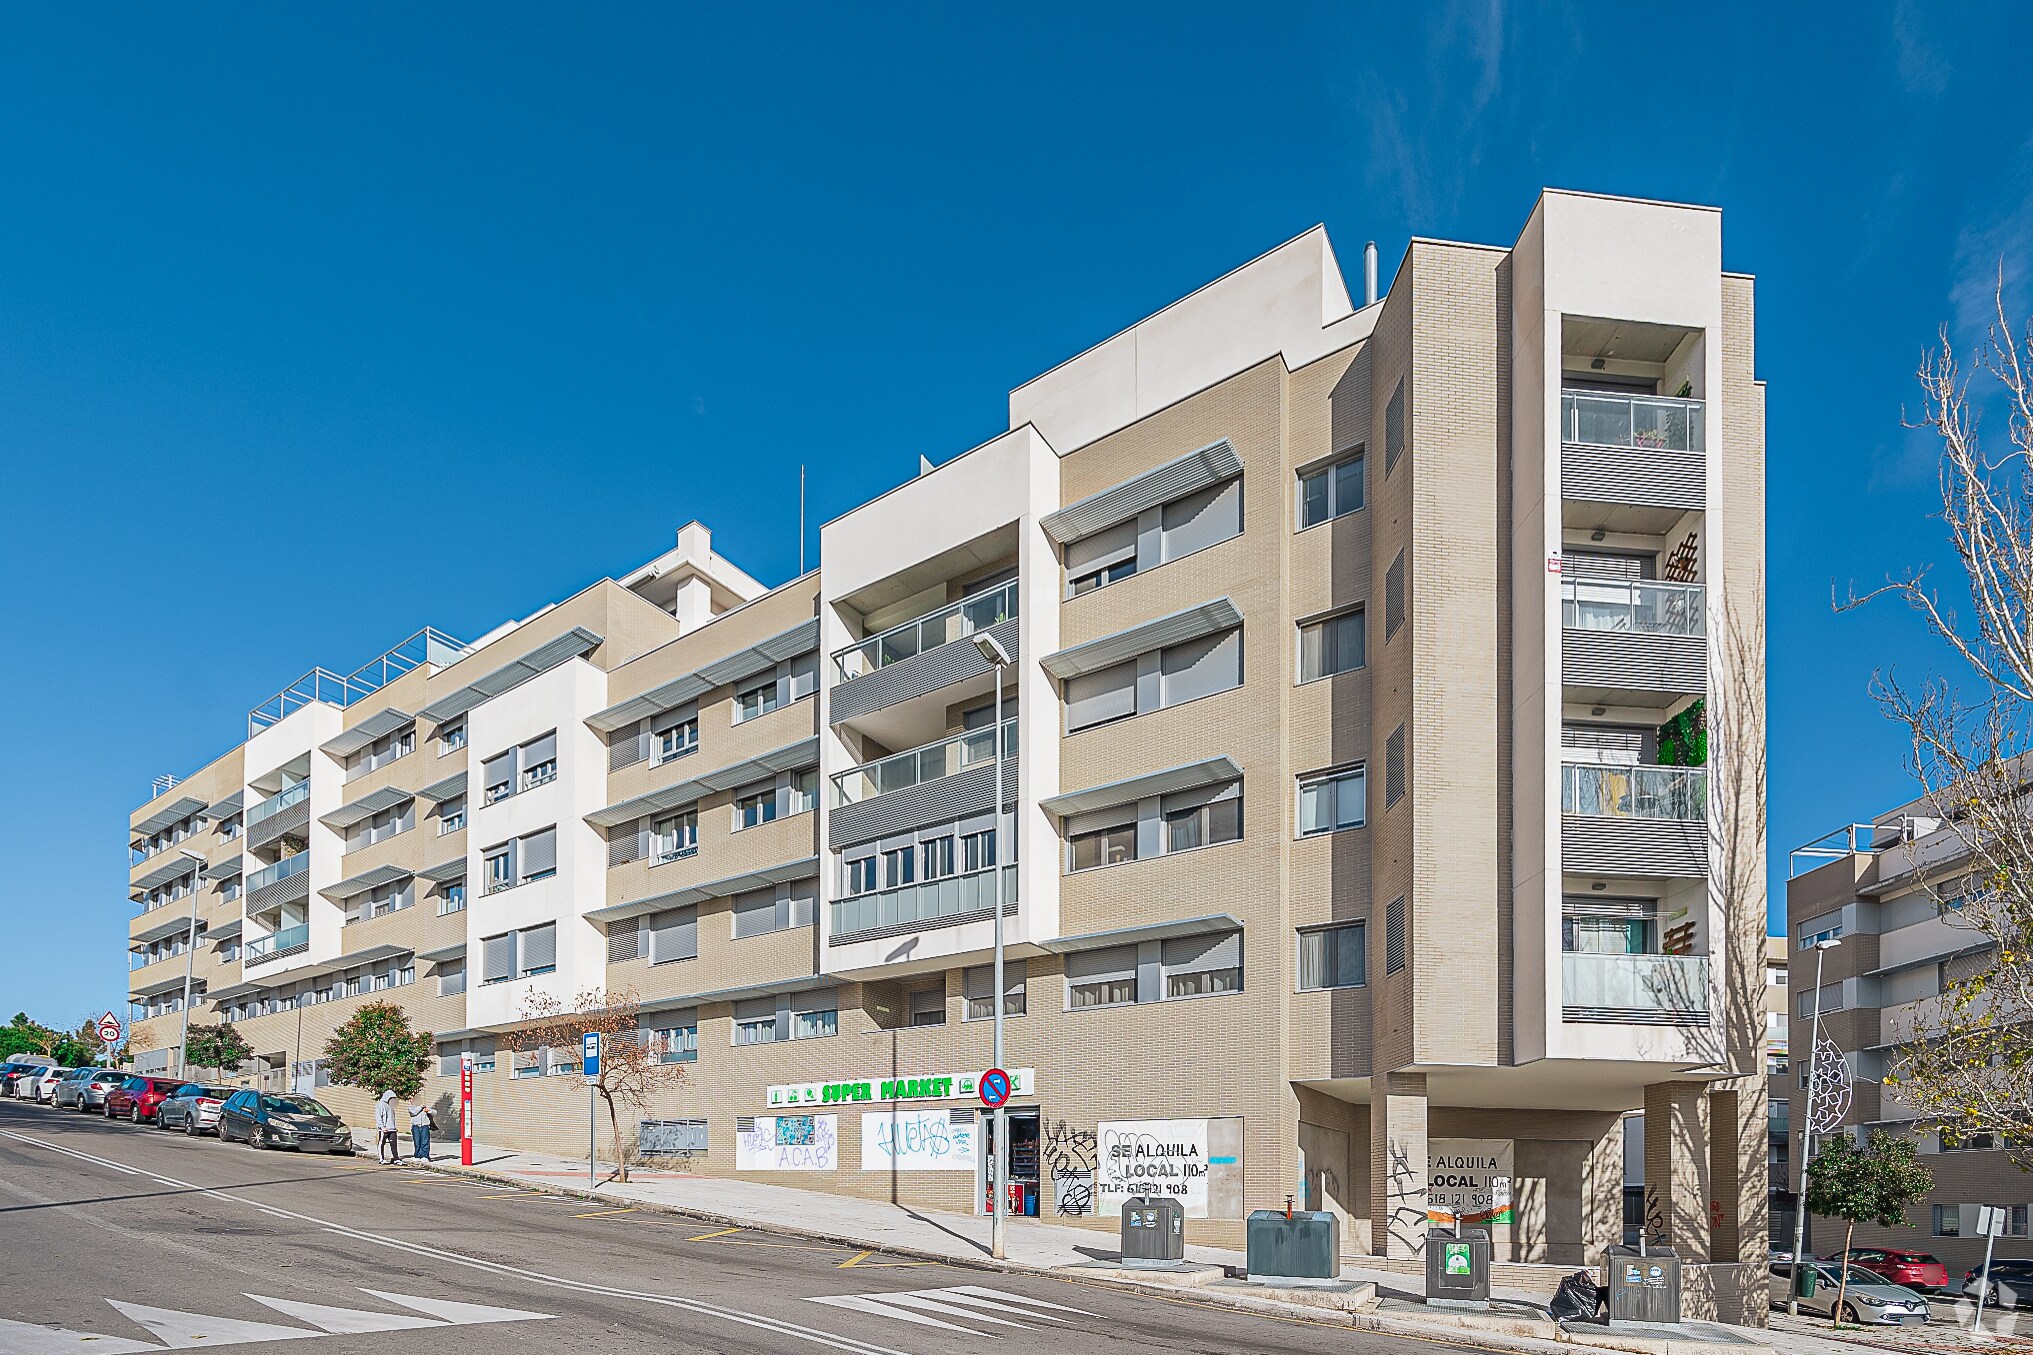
[183, 1029]
[998, 1189]
[1821, 949]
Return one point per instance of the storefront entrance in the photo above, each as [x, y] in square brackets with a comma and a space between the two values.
[1024, 1180]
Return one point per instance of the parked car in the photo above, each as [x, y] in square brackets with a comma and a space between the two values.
[1913, 1269]
[266, 1120]
[137, 1098]
[2011, 1282]
[193, 1108]
[70, 1092]
[18, 1069]
[1870, 1298]
[45, 1086]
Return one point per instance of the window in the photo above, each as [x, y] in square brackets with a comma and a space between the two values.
[1331, 645]
[1330, 491]
[755, 1021]
[754, 808]
[451, 737]
[677, 1042]
[1101, 559]
[538, 853]
[1199, 520]
[1332, 801]
[1775, 1063]
[1334, 957]
[1098, 698]
[1103, 576]
[1394, 767]
[527, 1063]
[452, 899]
[815, 1024]
[670, 937]
[761, 911]
[977, 989]
[497, 777]
[977, 850]
[1200, 966]
[1170, 677]
[803, 792]
[500, 866]
[861, 875]
[497, 958]
[539, 761]
[452, 815]
[675, 837]
[1394, 936]
[383, 826]
[1775, 976]
[1201, 818]
[451, 977]
[1394, 427]
[1101, 978]
[759, 699]
[1394, 596]
[928, 1007]
[1826, 927]
[1109, 846]
[677, 737]
[1197, 668]
[936, 856]
[1947, 1220]
[538, 948]
[899, 867]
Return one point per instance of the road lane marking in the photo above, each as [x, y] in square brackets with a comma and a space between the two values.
[707, 1237]
[344, 1321]
[856, 1259]
[959, 1303]
[779, 1326]
[183, 1330]
[860, 1261]
[25, 1338]
[605, 1213]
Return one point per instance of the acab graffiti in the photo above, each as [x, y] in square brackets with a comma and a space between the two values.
[789, 1143]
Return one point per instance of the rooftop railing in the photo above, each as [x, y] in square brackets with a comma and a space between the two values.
[1608, 790]
[276, 803]
[947, 757]
[1607, 419]
[1643, 606]
[427, 646]
[288, 941]
[955, 621]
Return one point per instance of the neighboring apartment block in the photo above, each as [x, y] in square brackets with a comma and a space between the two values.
[1887, 890]
[1355, 817]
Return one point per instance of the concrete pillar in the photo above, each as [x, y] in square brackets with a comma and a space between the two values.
[1602, 1196]
[1678, 1185]
[1397, 1164]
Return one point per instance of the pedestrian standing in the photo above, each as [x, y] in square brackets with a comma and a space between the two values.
[384, 1128]
[421, 1123]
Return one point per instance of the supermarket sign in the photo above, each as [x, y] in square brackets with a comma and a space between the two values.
[877, 1090]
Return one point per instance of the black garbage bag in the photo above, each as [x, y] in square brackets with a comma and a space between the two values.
[1578, 1296]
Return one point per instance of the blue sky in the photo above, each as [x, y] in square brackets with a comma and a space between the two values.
[548, 273]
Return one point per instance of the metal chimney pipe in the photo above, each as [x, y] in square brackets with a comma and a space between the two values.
[1369, 273]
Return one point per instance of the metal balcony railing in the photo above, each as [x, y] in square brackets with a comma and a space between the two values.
[947, 757]
[1607, 790]
[926, 903]
[276, 803]
[1606, 419]
[955, 621]
[1641, 606]
[281, 870]
[288, 941]
[1635, 989]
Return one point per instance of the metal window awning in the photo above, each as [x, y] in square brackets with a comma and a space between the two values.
[224, 870]
[384, 721]
[802, 638]
[444, 871]
[364, 881]
[718, 889]
[804, 753]
[451, 952]
[1210, 465]
[574, 643]
[161, 927]
[331, 966]
[366, 807]
[182, 807]
[437, 792]
[1153, 931]
[803, 983]
[164, 984]
[1190, 624]
[225, 931]
[175, 868]
[232, 991]
[228, 807]
[1193, 775]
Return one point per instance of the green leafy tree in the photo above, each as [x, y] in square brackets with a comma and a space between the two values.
[1875, 1184]
[23, 1035]
[377, 1050]
[221, 1047]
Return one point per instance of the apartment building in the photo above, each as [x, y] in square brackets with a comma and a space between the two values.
[1886, 890]
[1343, 670]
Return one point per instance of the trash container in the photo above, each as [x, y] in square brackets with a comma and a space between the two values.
[1643, 1287]
[1457, 1268]
[1303, 1246]
[1153, 1233]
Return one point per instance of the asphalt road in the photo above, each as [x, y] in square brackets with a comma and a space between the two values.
[141, 1240]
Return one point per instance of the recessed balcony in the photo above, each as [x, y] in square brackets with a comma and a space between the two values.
[287, 811]
[1648, 450]
[1646, 990]
[922, 655]
[1620, 819]
[949, 779]
[922, 906]
[288, 941]
[1633, 642]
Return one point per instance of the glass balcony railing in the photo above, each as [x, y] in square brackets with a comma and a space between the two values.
[1637, 987]
[925, 902]
[275, 804]
[948, 757]
[288, 941]
[955, 621]
[281, 870]
[1607, 790]
[1606, 419]
[1639, 605]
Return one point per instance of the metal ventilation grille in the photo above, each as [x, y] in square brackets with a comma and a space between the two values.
[1394, 936]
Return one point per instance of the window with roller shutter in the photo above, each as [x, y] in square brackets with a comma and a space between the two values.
[537, 949]
[538, 760]
[497, 958]
[673, 936]
[538, 854]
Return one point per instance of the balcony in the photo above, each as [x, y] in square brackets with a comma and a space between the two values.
[1647, 450]
[284, 812]
[288, 941]
[1606, 790]
[1644, 990]
[1630, 820]
[1633, 642]
[939, 782]
[921, 656]
[923, 906]
[287, 881]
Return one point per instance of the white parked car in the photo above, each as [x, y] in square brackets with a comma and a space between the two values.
[1869, 1299]
[43, 1089]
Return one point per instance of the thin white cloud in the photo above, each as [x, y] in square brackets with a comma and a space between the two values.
[1922, 67]
[1998, 243]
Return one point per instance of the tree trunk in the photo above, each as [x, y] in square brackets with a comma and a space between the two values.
[1842, 1285]
[614, 1123]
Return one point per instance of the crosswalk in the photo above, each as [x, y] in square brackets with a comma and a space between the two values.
[178, 1330]
[973, 1309]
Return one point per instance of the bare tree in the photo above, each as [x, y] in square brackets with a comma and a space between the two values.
[1967, 1062]
[632, 1066]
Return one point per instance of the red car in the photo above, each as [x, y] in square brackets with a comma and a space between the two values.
[1913, 1269]
[137, 1098]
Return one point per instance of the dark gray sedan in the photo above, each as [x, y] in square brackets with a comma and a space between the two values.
[269, 1120]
